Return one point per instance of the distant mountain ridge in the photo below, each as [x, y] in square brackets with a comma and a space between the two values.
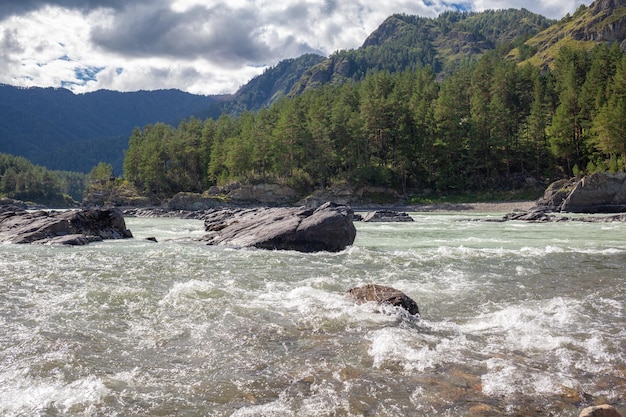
[60, 130]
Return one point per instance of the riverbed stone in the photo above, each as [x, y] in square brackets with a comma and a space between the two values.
[600, 411]
[328, 228]
[384, 295]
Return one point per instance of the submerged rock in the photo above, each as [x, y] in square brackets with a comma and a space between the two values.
[72, 227]
[327, 228]
[384, 295]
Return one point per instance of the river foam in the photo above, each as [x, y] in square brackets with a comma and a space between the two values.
[515, 318]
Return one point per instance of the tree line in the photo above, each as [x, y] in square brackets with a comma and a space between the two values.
[20, 179]
[488, 126]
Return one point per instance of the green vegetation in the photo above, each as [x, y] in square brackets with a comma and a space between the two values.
[444, 44]
[21, 180]
[484, 130]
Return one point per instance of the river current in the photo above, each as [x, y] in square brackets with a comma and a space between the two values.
[517, 319]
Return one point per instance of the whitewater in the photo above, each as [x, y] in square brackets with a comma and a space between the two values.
[516, 319]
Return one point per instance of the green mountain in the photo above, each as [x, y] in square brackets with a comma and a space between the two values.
[60, 130]
[444, 43]
[274, 83]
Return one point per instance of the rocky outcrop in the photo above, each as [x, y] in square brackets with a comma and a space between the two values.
[596, 193]
[72, 227]
[193, 202]
[327, 228]
[384, 295]
[599, 411]
[388, 216]
[10, 204]
[344, 194]
[273, 194]
[114, 193]
[603, 23]
[233, 194]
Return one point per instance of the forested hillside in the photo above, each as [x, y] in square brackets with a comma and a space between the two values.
[446, 43]
[61, 130]
[490, 125]
[442, 104]
[21, 180]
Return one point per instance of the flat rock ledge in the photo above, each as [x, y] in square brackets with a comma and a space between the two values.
[389, 216]
[328, 228]
[543, 216]
[71, 227]
[384, 295]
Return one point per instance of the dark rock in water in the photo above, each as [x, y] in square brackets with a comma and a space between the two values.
[541, 216]
[387, 216]
[327, 228]
[152, 239]
[532, 216]
[72, 227]
[384, 295]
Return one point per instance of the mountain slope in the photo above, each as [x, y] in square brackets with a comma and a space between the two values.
[61, 130]
[405, 42]
[604, 21]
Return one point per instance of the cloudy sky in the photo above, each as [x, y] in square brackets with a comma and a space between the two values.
[200, 46]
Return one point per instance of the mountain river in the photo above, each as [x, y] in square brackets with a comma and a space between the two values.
[517, 319]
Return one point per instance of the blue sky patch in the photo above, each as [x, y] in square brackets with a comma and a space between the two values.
[87, 73]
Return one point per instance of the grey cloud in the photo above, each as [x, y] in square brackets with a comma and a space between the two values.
[220, 34]
[330, 6]
[9, 42]
[18, 7]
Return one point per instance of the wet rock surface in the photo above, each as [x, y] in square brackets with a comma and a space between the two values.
[327, 228]
[384, 295]
[71, 227]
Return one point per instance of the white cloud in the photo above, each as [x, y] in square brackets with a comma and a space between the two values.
[208, 47]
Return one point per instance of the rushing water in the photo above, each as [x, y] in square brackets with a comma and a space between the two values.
[517, 319]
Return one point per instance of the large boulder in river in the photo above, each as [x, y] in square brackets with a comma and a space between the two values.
[384, 295]
[596, 193]
[72, 227]
[327, 228]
